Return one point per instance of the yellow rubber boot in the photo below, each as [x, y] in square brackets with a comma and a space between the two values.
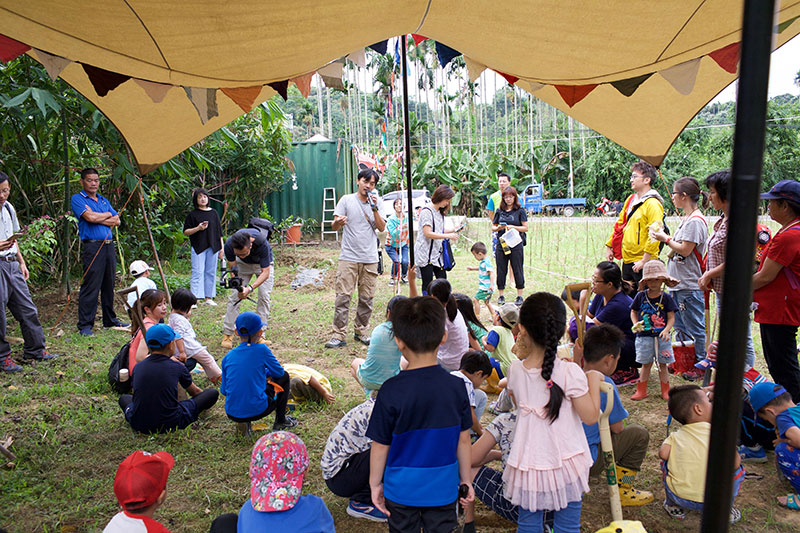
[627, 494]
[227, 342]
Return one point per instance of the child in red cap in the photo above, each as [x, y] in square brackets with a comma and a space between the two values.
[140, 487]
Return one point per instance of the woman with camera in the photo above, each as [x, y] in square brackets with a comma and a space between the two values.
[204, 230]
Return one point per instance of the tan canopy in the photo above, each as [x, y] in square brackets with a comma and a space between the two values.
[649, 59]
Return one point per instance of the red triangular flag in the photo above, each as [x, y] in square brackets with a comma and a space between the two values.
[104, 81]
[572, 94]
[303, 83]
[11, 49]
[509, 78]
[727, 57]
[281, 87]
[243, 96]
[417, 38]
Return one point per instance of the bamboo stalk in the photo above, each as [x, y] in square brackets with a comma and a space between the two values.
[153, 245]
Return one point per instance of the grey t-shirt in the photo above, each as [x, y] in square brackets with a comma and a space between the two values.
[687, 269]
[423, 252]
[359, 241]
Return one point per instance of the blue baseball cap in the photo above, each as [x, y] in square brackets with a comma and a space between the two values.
[784, 190]
[160, 335]
[248, 323]
[763, 393]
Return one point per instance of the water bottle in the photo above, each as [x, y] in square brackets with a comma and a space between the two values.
[506, 249]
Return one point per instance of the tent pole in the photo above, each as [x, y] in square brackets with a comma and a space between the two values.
[65, 237]
[153, 245]
[407, 152]
[748, 154]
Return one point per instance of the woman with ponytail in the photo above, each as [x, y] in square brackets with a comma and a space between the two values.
[151, 307]
[456, 341]
[548, 466]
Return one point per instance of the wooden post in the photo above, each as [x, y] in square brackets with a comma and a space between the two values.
[153, 244]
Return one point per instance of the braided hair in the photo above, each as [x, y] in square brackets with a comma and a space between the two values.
[544, 318]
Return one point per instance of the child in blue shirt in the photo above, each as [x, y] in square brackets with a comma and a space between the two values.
[485, 278]
[420, 428]
[602, 347]
[383, 357]
[253, 381]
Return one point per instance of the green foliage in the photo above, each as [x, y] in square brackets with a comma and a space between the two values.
[38, 246]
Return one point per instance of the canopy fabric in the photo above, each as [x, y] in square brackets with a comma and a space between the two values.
[558, 50]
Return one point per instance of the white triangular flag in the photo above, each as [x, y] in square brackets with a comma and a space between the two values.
[682, 76]
[52, 64]
[359, 57]
[332, 70]
[474, 69]
[156, 91]
[204, 101]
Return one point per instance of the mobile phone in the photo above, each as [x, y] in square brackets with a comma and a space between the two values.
[16, 236]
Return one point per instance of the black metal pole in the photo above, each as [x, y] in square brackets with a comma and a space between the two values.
[748, 154]
[65, 237]
[407, 152]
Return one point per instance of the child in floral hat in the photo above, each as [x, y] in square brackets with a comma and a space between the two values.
[277, 468]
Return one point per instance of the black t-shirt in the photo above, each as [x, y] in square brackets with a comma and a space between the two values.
[155, 395]
[260, 251]
[209, 237]
[512, 218]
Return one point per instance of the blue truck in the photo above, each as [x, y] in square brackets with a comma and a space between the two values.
[534, 202]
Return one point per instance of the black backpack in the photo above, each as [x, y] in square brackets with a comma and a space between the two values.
[120, 362]
[263, 225]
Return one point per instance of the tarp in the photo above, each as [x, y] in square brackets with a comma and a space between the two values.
[636, 72]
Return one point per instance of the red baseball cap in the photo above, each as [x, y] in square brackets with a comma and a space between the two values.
[141, 478]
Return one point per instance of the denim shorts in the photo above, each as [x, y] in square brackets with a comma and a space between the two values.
[646, 351]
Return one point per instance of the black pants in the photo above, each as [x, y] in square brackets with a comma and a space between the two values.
[427, 273]
[780, 351]
[352, 481]
[99, 278]
[275, 402]
[205, 400]
[516, 257]
[629, 275]
[225, 523]
[404, 519]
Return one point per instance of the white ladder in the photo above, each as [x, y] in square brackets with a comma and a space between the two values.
[328, 207]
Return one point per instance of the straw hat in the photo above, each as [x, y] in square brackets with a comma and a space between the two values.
[655, 269]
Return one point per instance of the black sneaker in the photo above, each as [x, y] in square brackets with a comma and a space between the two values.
[44, 356]
[335, 343]
[518, 301]
[363, 339]
[625, 377]
[289, 423]
[501, 300]
[118, 324]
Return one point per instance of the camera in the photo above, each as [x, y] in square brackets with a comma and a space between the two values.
[229, 279]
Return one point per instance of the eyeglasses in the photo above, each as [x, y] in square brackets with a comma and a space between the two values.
[598, 280]
[634, 176]
[676, 192]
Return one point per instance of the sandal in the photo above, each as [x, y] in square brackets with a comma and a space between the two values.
[674, 511]
[792, 502]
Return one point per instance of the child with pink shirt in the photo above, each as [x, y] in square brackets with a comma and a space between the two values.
[548, 467]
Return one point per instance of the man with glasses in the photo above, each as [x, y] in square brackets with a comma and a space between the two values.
[630, 240]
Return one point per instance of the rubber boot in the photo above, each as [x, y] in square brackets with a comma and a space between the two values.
[628, 495]
[665, 390]
[641, 391]
[227, 342]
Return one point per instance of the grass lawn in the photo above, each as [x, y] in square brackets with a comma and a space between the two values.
[69, 434]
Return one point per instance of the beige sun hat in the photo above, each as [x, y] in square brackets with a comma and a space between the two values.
[655, 269]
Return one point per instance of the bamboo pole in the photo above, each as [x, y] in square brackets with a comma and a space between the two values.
[65, 236]
[153, 244]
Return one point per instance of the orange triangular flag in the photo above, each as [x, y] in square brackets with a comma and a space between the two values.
[303, 83]
[243, 96]
[727, 57]
[572, 94]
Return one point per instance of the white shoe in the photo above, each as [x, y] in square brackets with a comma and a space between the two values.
[194, 306]
[210, 302]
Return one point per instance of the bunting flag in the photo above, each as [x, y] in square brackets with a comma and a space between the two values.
[103, 81]
[379, 47]
[282, 88]
[359, 57]
[156, 91]
[682, 76]
[52, 64]
[204, 101]
[445, 53]
[332, 75]
[418, 38]
[628, 86]
[333, 83]
[534, 86]
[11, 49]
[474, 69]
[727, 57]
[243, 96]
[572, 94]
[303, 83]
[785, 24]
[509, 78]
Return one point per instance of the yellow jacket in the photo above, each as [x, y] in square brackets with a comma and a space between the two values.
[636, 235]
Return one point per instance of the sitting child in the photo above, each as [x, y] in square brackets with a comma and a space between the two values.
[456, 342]
[602, 346]
[488, 482]
[499, 343]
[475, 368]
[684, 453]
[140, 487]
[277, 468]
[308, 384]
[383, 357]
[141, 281]
[253, 381]
[182, 302]
[653, 314]
[772, 403]
[154, 405]
[477, 331]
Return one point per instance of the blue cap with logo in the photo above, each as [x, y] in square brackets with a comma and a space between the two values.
[248, 323]
[763, 393]
[160, 335]
[784, 190]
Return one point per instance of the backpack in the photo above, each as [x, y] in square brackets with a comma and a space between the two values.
[263, 225]
[120, 362]
[616, 237]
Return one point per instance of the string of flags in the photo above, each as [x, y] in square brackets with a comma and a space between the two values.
[682, 76]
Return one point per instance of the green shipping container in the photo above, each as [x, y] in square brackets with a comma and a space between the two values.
[317, 165]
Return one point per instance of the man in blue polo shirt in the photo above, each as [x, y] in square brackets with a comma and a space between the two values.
[95, 217]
